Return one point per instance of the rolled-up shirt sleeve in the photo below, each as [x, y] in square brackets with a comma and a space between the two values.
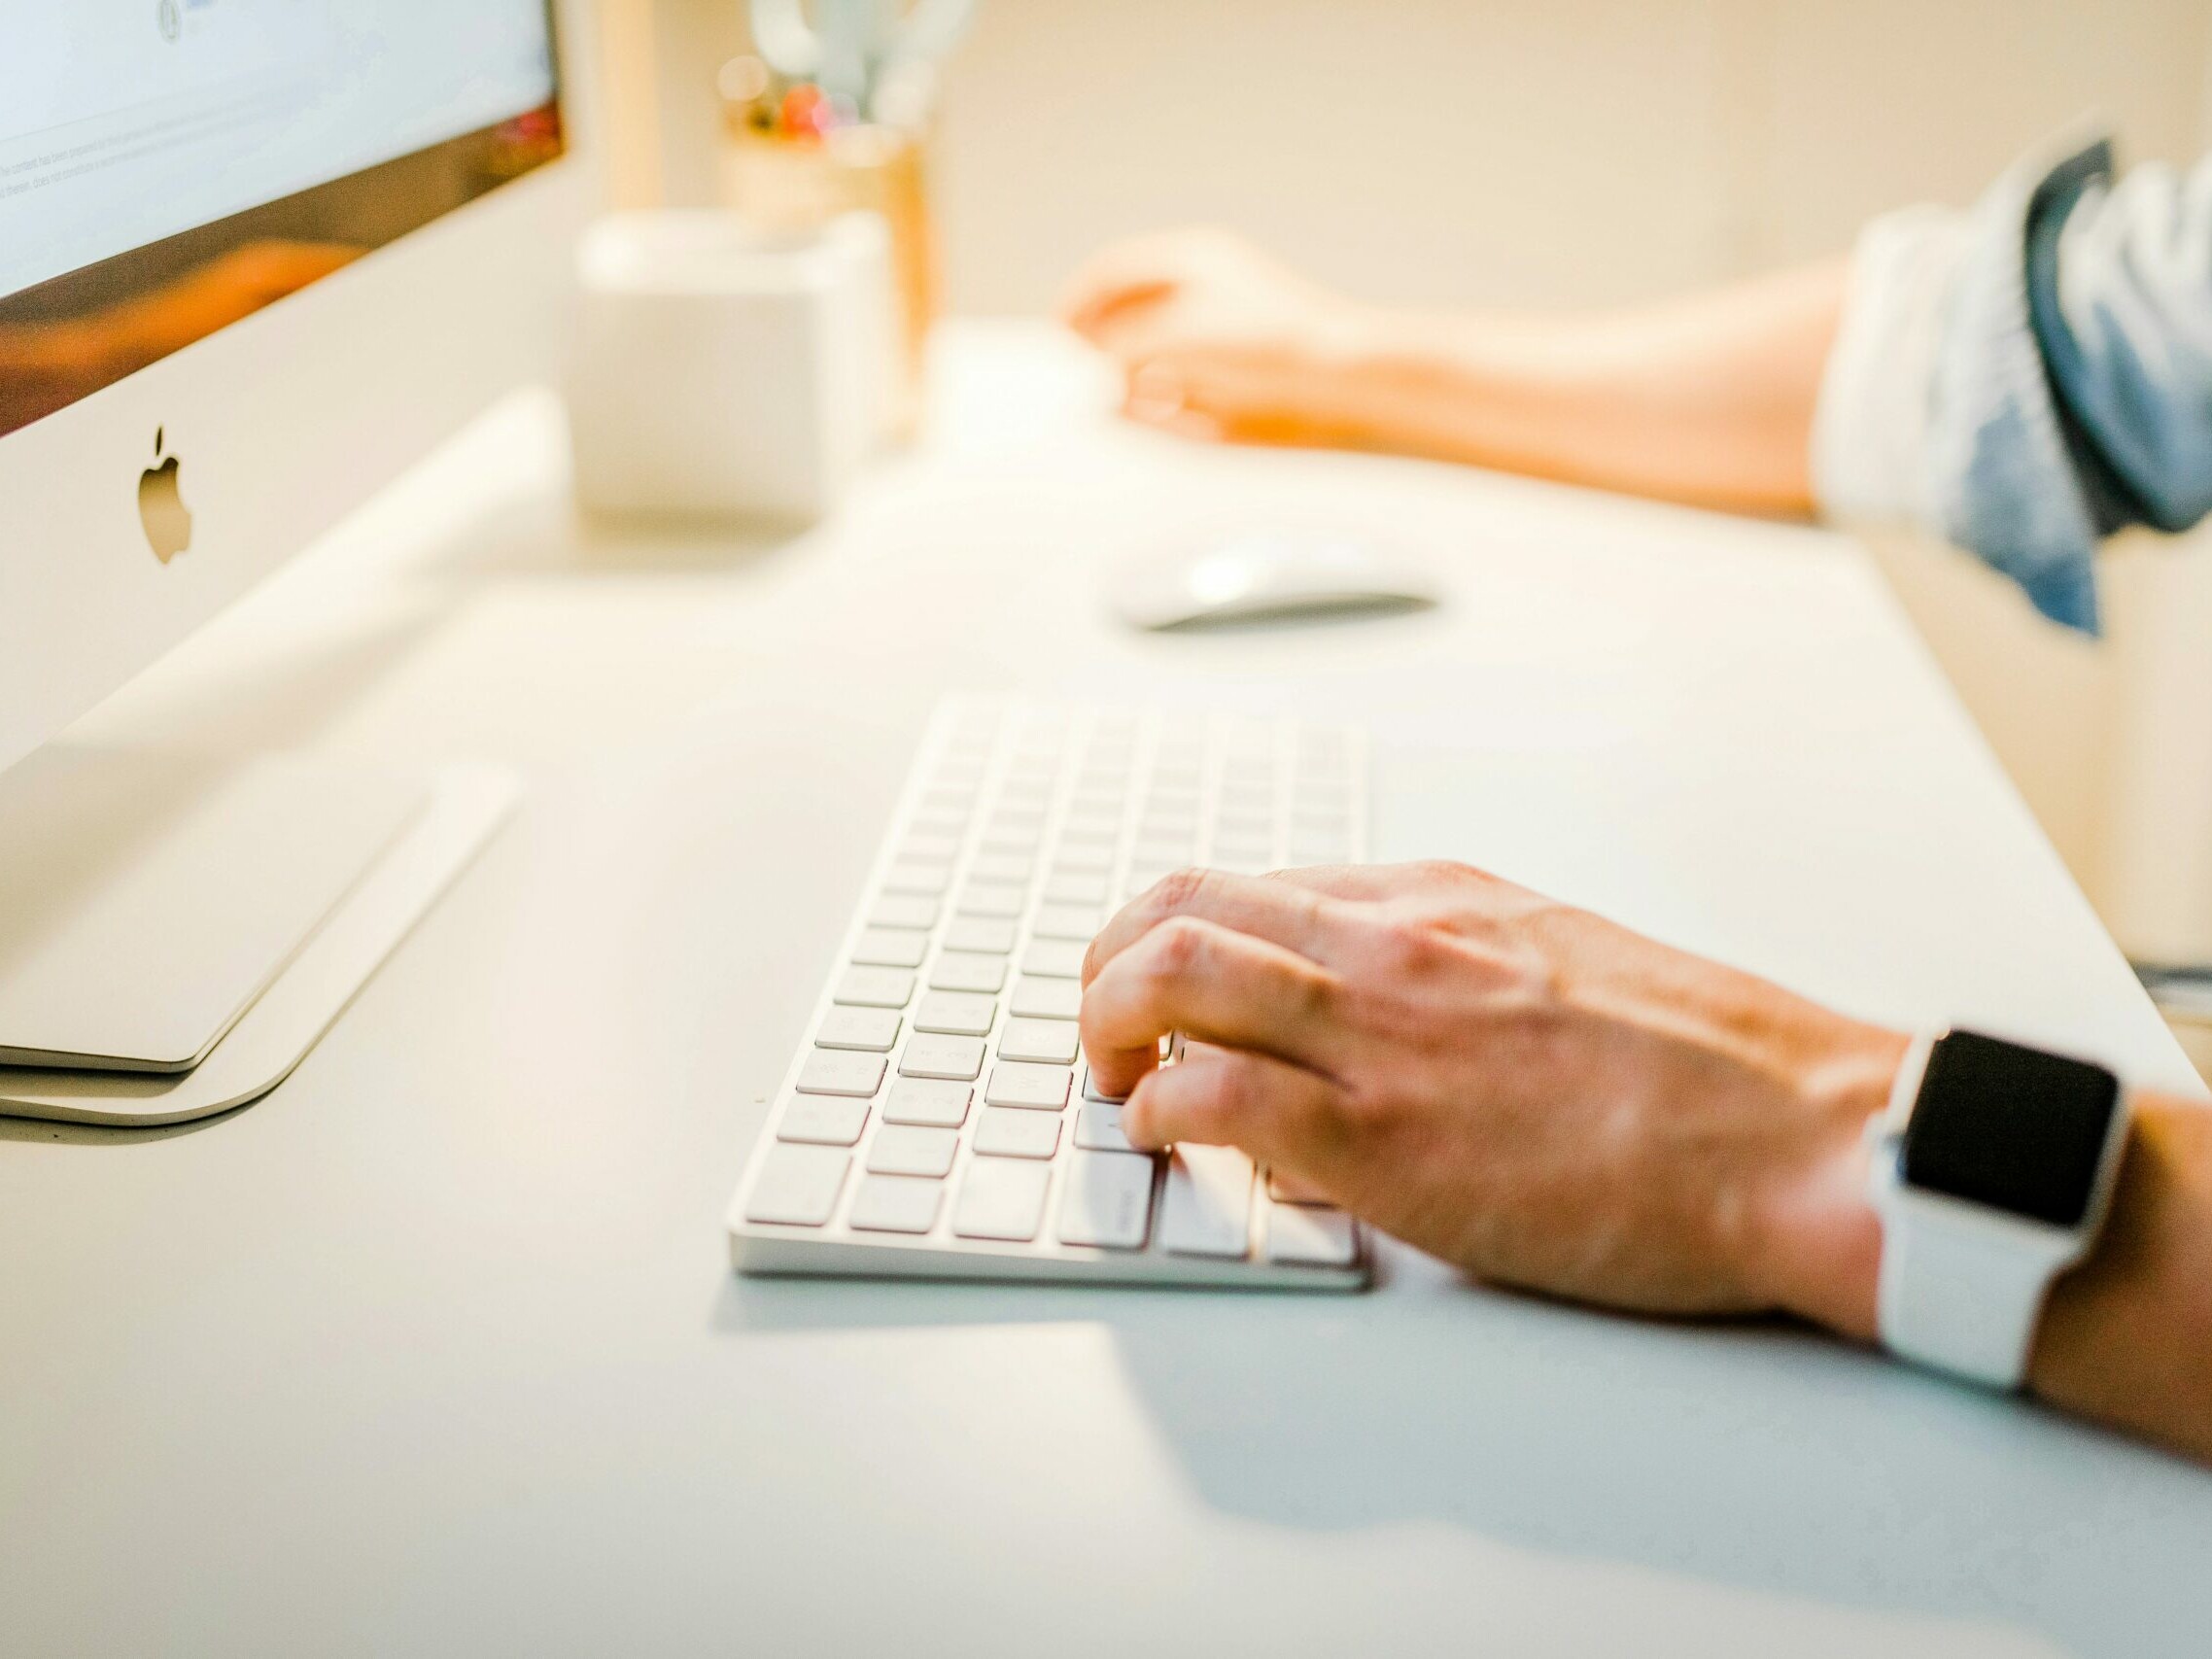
[2030, 375]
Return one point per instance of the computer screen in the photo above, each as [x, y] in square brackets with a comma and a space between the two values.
[167, 167]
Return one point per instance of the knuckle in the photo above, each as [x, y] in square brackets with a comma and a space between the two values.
[1308, 908]
[1446, 873]
[1178, 891]
[1178, 944]
[1406, 944]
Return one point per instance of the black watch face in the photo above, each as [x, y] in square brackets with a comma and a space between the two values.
[2011, 1127]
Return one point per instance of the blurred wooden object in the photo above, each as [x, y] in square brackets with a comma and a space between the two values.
[630, 99]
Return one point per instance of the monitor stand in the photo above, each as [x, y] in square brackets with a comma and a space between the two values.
[176, 934]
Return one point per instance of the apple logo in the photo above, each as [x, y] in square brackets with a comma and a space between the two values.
[161, 508]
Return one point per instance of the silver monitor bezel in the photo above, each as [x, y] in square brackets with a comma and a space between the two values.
[283, 422]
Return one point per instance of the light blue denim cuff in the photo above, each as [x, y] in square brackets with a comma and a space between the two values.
[2004, 475]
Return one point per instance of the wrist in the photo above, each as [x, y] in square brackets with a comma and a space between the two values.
[1820, 1240]
[2125, 1334]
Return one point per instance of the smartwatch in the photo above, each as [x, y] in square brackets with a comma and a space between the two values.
[1992, 1172]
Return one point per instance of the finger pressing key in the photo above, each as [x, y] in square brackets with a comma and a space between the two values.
[1277, 1112]
[1211, 983]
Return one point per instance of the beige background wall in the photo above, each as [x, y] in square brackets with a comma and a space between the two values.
[1572, 152]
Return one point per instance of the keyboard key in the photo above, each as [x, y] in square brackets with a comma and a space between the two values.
[1052, 1041]
[825, 1120]
[1016, 1083]
[1310, 1236]
[927, 846]
[905, 1149]
[1003, 1132]
[874, 1030]
[1002, 867]
[955, 1012]
[965, 970]
[1053, 959]
[1092, 860]
[960, 1059]
[894, 1203]
[937, 1103]
[1091, 1089]
[903, 910]
[986, 934]
[890, 947]
[841, 1071]
[1207, 1208]
[992, 898]
[1287, 1189]
[798, 1186]
[1106, 1200]
[1048, 1000]
[1098, 1128]
[1002, 1197]
[1068, 921]
[874, 988]
[1075, 887]
[918, 878]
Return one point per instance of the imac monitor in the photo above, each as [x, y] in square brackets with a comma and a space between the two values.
[256, 256]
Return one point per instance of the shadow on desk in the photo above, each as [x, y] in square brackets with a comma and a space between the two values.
[1758, 1456]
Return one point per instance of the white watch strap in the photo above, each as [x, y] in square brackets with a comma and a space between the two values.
[1958, 1295]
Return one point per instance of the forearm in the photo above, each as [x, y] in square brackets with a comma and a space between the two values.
[1708, 400]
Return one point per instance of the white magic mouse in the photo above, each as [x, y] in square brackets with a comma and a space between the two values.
[1271, 575]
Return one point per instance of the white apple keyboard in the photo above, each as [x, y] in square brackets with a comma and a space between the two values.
[939, 1121]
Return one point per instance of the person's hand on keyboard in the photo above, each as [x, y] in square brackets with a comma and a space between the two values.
[1520, 1087]
[1550, 1100]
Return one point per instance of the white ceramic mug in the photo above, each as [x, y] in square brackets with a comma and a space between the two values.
[720, 369]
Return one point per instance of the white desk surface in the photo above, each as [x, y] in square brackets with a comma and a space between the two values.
[436, 1350]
